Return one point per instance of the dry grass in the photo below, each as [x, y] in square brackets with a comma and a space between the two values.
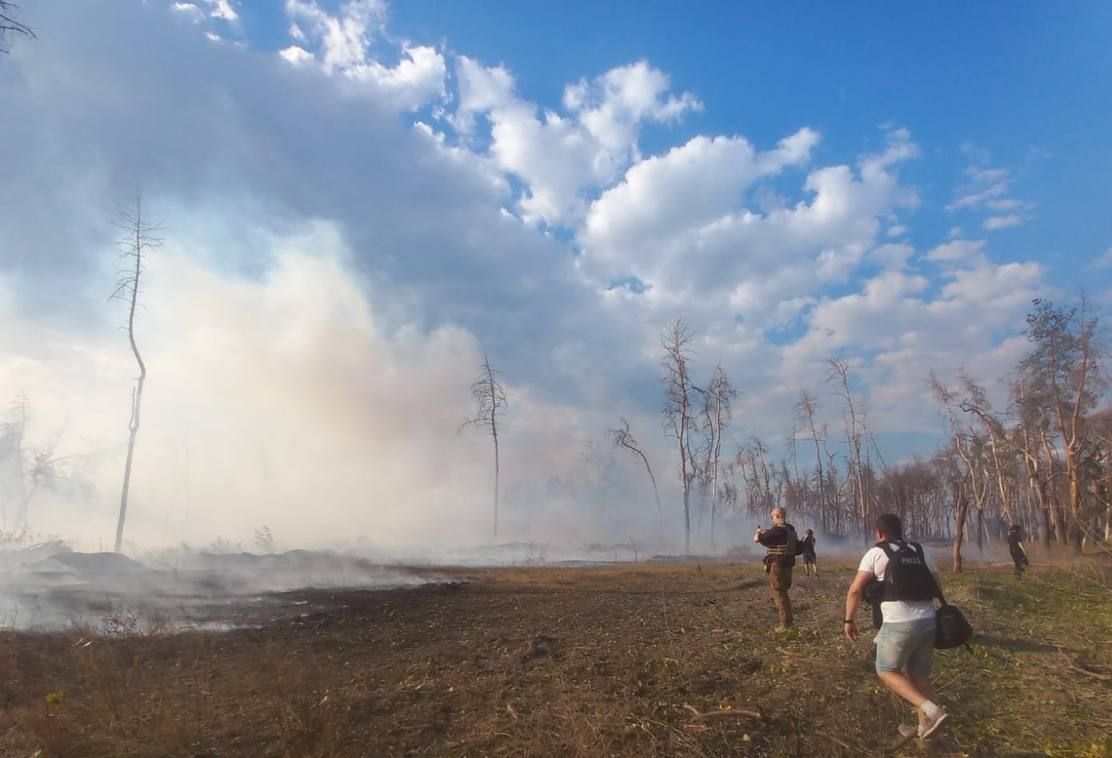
[642, 660]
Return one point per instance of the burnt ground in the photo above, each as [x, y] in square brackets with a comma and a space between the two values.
[632, 660]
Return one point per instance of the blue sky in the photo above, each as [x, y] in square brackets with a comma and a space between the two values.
[891, 185]
[1018, 81]
[1025, 85]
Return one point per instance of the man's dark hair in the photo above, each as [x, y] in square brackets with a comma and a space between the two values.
[890, 526]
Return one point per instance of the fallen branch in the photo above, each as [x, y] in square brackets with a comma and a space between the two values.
[703, 716]
[1081, 670]
[1094, 674]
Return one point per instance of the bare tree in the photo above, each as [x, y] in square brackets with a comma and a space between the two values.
[805, 414]
[679, 415]
[838, 374]
[624, 438]
[10, 25]
[490, 400]
[970, 449]
[138, 238]
[717, 413]
[264, 539]
[977, 403]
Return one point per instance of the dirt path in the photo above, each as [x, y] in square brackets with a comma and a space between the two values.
[630, 660]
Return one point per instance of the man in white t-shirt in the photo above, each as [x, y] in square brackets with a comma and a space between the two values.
[905, 643]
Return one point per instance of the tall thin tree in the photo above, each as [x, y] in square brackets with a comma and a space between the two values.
[717, 413]
[490, 400]
[679, 418]
[624, 438]
[138, 237]
[805, 414]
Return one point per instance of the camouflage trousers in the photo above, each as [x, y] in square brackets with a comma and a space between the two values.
[779, 582]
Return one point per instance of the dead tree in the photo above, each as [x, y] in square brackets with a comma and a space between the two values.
[805, 414]
[838, 374]
[9, 25]
[717, 413]
[623, 438]
[490, 400]
[970, 450]
[679, 420]
[137, 239]
[976, 402]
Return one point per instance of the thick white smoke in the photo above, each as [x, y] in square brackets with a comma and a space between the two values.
[280, 400]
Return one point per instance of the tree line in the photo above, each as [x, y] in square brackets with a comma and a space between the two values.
[1043, 460]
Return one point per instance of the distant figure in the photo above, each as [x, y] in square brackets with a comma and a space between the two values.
[780, 541]
[1015, 547]
[905, 643]
[809, 562]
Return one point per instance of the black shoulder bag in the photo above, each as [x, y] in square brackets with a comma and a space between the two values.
[951, 627]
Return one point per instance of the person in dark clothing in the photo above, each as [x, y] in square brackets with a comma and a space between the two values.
[810, 564]
[1018, 553]
[780, 543]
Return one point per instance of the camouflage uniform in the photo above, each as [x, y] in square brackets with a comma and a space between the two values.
[780, 542]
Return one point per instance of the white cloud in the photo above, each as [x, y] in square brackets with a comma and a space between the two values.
[1103, 260]
[896, 330]
[344, 39]
[343, 45]
[957, 250]
[993, 223]
[892, 256]
[416, 80]
[560, 157]
[299, 217]
[222, 9]
[985, 185]
[680, 222]
[988, 188]
[612, 106]
[195, 14]
[296, 55]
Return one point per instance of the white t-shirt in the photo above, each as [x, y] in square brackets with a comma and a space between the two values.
[896, 611]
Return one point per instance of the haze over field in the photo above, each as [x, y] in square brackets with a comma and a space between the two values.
[359, 201]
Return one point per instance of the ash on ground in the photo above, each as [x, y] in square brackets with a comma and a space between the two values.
[49, 587]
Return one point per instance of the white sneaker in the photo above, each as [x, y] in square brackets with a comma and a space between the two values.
[928, 726]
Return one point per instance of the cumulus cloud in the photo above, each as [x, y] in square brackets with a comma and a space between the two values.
[560, 157]
[296, 55]
[336, 264]
[681, 221]
[898, 329]
[343, 45]
[612, 106]
[222, 9]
